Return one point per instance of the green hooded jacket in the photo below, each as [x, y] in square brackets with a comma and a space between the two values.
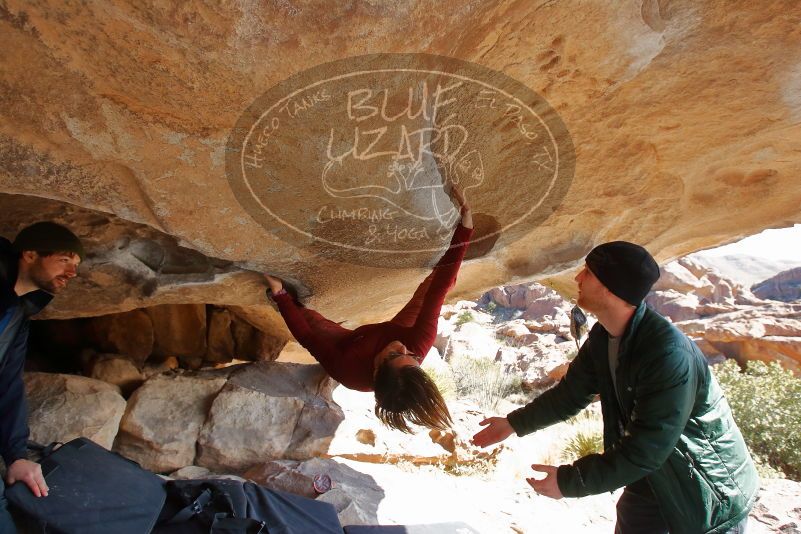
[668, 422]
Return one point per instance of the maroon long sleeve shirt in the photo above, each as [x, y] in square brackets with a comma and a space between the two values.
[348, 355]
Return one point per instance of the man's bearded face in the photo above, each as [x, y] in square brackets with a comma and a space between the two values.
[51, 273]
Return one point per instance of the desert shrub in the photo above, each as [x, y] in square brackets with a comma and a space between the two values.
[583, 443]
[464, 317]
[491, 307]
[587, 437]
[765, 399]
[444, 380]
[484, 381]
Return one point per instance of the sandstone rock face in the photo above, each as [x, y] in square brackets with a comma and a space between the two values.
[127, 112]
[785, 286]
[220, 343]
[129, 333]
[293, 352]
[179, 330]
[163, 420]
[65, 407]
[269, 411]
[195, 335]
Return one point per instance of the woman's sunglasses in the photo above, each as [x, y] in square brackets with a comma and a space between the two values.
[394, 354]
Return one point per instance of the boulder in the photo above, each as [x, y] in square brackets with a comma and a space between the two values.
[190, 472]
[163, 419]
[252, 344]
[159, 365]
[118, 370]
[282, 475]
[269, 411]
[501, 296]
[514, 330]
[548, 305]
[674, 305]
[137, 162]
[682, 277]
[355, 495]
[472, 339]
[65, 407]
[539, 365]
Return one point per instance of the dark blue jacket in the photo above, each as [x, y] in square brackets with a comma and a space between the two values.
[13, 347]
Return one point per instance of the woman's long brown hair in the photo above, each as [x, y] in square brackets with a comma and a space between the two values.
[408, 395]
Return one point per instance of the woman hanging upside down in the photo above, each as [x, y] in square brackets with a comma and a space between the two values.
[386, 357]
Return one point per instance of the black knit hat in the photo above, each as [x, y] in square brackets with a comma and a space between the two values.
[626, 269]
[48, 236]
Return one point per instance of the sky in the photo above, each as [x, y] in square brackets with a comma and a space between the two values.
[782, 244]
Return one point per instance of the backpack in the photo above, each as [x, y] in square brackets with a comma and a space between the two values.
[92, 491]
[222, 506]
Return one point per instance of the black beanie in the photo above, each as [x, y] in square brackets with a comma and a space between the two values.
[48, 236]
[626, 269]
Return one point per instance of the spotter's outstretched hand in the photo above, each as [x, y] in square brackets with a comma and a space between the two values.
[498, 429]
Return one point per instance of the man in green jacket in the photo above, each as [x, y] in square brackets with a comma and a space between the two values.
[669, 435]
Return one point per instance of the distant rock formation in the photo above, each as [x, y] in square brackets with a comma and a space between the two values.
[688, 289]
[742, 268]
[724, 318]
[784, 287]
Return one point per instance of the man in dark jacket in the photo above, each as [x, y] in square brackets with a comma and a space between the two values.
[669, 436]
[42, 259]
